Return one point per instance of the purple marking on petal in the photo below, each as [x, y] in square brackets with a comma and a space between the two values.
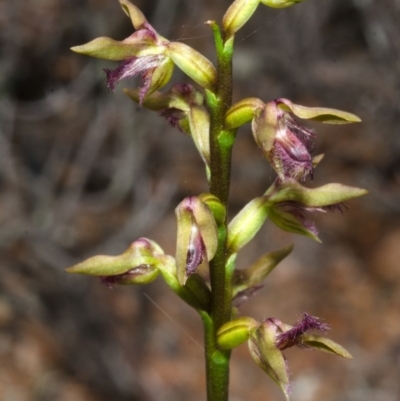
[132, 67]
[146, 82]
[290, 154]
[242, 296]
[295, 163]
[108, 281]
[149, 28]
[297, 210]
[293, 336]
[111, 281]
[196, 251]
[173, 116]
[306, 135]
[341, 207]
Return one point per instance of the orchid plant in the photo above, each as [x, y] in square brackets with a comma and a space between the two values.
[202, 272]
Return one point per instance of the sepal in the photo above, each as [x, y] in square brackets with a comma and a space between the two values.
[139, 21]
[110, 49]
[326, 345]
[267, 355]
[193, 64]
[197, 237]
[259, 270]
[142, 252]
[326, 195]
[321, 114]
[247, 223]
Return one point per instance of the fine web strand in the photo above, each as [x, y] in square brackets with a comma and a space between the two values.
[173, 320]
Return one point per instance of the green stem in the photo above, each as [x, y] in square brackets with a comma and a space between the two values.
[217, 363]
[221, 143]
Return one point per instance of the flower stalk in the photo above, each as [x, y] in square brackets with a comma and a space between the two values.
[203, 272]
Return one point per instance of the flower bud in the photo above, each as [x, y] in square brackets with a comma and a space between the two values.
[235, 332]
[242, 112]
[237, 15]
[280, 3]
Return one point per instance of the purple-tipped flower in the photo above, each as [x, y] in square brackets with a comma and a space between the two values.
[182, 106]
[197, 239]
[286, 144]
[143, 53]
[271, 337]
[290, 202]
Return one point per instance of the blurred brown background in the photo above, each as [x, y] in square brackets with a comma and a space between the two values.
[83, 171]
